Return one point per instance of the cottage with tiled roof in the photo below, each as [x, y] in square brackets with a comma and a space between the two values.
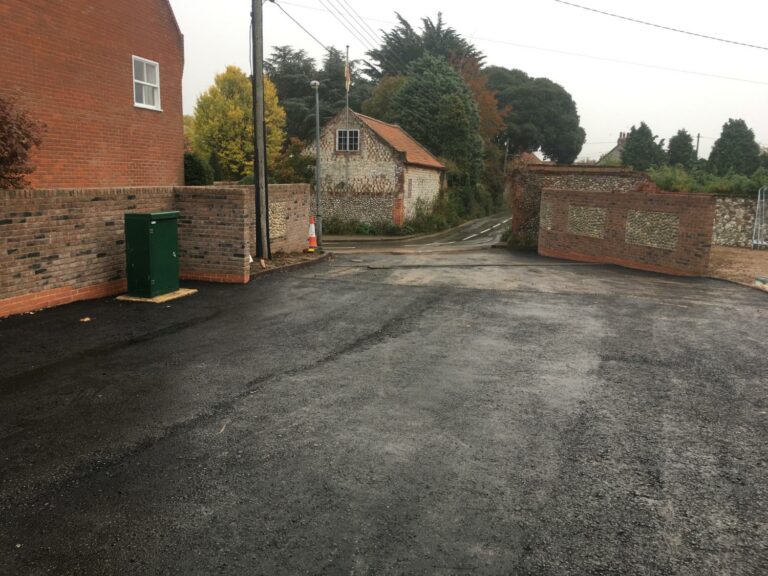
[372, 171]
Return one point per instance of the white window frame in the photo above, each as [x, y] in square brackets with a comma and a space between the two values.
[157, 107]
[347, 130]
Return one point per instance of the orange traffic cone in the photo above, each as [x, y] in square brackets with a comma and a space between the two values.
[312, 236]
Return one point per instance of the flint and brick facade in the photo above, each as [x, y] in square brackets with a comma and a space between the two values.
[70, 66]
[383, 181]
[526, 182]
[659, 232]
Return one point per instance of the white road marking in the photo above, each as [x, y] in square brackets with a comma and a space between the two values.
[470, 237]
[496, 225]
[486, 230]
[507, 220]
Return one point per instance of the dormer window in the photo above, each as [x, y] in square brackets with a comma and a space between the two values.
[347, 140]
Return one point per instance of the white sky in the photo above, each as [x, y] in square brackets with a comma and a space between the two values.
[610, 96]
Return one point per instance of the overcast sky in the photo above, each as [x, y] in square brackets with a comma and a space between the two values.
[535, 36]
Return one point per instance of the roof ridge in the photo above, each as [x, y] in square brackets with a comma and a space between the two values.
[360, 114]
[405, 133]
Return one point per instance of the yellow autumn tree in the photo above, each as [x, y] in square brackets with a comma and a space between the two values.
[224, 124]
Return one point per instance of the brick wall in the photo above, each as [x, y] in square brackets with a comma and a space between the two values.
[288, 217]
[526, 182]
[669, 233]
[215, 233]
[60, 246]
[69, 64]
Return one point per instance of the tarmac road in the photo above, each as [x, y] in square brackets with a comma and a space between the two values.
[473, 235]
[477, 412]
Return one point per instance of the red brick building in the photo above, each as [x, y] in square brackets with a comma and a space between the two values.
[105, 77]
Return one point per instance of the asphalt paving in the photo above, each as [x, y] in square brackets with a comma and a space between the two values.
[449, 413]
[473, 235]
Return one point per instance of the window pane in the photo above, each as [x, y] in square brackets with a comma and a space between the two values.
[342, 142]
[138, 70]
[354, 140]
[138, 94]
[151, 74]
[149, 96]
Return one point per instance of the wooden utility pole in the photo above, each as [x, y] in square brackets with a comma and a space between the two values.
[259, 148]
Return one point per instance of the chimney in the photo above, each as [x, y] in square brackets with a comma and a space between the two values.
[622, 138]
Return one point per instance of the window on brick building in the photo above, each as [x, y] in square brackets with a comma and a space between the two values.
[146, 83]
[347, 140]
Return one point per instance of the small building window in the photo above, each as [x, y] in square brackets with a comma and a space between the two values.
[347, 140]
[146, 83]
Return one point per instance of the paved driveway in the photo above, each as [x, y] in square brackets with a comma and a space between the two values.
[447, 413]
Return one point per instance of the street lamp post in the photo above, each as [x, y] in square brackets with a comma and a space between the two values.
[318, 212]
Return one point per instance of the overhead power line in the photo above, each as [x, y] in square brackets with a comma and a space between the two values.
[662, 27]
[567, 53]
[299, 24]
[625, 62]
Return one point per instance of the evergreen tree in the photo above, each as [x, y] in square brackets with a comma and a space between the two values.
[641, 150]
[436, 108]
[379, 105]
[403, 45]
[538, 113]
[291, 71]
[736, 150]
[681, 151]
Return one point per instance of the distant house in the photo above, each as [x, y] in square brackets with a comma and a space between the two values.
[373, 171]
[529, 159]
[105, 78]
[613, 157]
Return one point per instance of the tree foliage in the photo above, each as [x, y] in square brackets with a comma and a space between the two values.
[379, 105]
[403, 45]
[641, 150]
[436, 108]
[197, 170]
[491, 114]
[538, 113]
[681, 151]
[736, 150]
[292, 71]
[697, 179]
[223, 124]
[19, 134]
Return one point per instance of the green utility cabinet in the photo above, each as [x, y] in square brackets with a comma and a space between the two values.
[151, 253]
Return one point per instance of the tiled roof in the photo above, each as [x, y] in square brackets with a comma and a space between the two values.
[401, 141]
[530, 158]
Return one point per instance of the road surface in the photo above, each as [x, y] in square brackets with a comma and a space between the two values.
[480, 233]
[451, 413]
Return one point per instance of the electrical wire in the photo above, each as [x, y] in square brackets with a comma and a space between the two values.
[300, 25]
[578, 55]
[338, 18]
[626, 62]
[662, 27]
[375, 36]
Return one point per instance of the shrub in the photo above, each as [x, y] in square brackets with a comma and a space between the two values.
[197, 170]
[678, 179]
[18, 135]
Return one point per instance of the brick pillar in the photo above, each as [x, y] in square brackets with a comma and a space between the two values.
[398, 211]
